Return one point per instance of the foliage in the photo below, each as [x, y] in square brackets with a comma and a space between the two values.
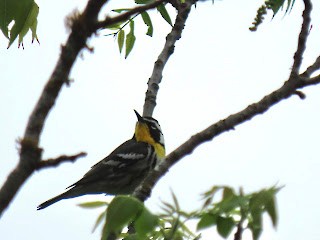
[129, 38]
[275, 6]
[234, 211]
[24, 14]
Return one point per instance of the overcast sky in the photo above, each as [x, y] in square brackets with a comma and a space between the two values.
[218, 68]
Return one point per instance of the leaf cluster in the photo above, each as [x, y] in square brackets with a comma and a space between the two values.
[275, 6]
[23, 14]
[232, 210]
[236, 209]
[128, 39]
[121, 212]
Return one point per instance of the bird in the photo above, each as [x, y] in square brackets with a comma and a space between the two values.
[125, 168]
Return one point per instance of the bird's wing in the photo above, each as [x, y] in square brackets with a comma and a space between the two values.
[127, 154]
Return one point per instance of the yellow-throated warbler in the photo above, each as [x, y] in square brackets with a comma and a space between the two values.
[125, 168]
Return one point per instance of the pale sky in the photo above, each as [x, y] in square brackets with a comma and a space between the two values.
[218, 68]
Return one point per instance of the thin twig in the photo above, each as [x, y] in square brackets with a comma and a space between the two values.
[311, 69]
[298, 56]
[125, 16]
[238, 234]
[243, 212]
[155, 79]
[54, 162]
[313, 81]
[123, 26]
[300, 94]
[167, 51]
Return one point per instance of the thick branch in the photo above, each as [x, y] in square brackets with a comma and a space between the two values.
[30, 154]
[156, 76]
[298, 56]
[54, 162]
[288, 89]
[311, 69]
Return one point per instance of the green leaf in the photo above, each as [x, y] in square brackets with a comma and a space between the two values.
[257, 218]
[276, 5]
[164, 13]
[185, 230]
[230, 204]
[255, 224]
[225, 226]
[271, 210]
[23, 13]
[30, 23]
[290, 5]
[256, 232]
[132, 237]
[260, 199]
[227, 193]
[95, 204]
[143, 1]
[147, 20]
[146, 222]
[114, 26]
[120, 10]
[33, 29]
[260, 202]
[175, 201]
[210, 194]
[121, 211]
[170, 208]
[121, 37]
[130, 39]
[99, 220]
[207, 220]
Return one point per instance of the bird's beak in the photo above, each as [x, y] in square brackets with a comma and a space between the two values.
[138, 116]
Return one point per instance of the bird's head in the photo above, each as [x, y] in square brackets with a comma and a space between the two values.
[148, 130]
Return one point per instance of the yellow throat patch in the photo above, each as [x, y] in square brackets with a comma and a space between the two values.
[142, 134]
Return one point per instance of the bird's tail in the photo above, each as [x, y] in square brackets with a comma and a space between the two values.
[68, 194]
[50, 201]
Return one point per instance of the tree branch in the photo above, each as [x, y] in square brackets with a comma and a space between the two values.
[30, 154]
[125, 16]
[288, 89]
[311, 69]
[238, 234]
[303, 36]
[229, 123]
[54, 162]
[167, 51]
[313, 81]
